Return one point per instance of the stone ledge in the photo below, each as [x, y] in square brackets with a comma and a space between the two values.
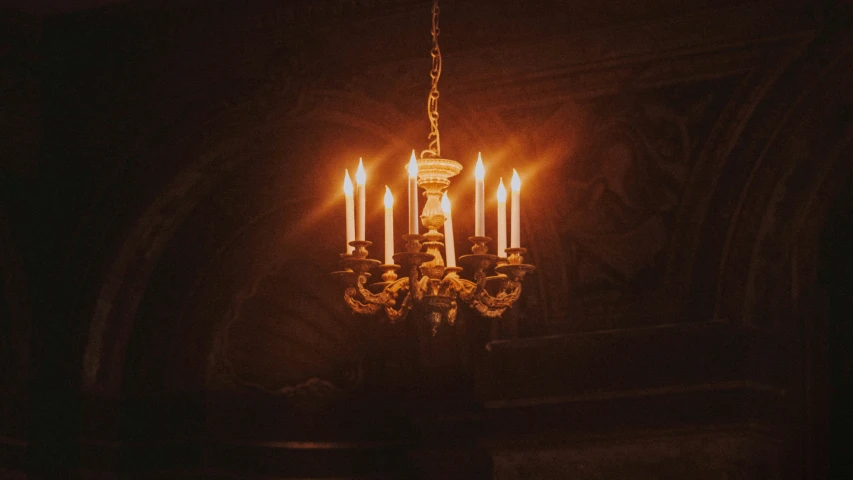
[678, 358]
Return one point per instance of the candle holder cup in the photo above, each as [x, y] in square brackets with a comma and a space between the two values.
[389, 275]
[514, 268]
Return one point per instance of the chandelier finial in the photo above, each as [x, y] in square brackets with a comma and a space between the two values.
[434, 149]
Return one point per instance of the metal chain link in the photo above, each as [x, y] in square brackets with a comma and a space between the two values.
[432, 100]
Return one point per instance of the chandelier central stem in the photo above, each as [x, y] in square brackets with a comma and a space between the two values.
[433, 170]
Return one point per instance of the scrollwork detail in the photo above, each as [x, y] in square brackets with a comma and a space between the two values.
[478, 298]
[387, 299]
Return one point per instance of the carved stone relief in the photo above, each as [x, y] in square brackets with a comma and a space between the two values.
[617, 169]
[285, 338]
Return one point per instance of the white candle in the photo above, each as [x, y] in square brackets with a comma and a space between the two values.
[360, 179]
[479, 199]
[413, 195]
[449, 247]
[501, 219]
[350, 211]
[389, 227]
[515, 241]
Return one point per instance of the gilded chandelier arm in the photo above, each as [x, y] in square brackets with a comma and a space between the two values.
[494, 306]
[387, 299]
[478, 298]
[357, 306]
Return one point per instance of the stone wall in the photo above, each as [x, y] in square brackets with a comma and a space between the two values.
[173, 211]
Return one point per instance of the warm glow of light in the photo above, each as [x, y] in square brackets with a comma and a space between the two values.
[360, 176]
[389, 199]
[445, 204]
[516, 182]
[479, 170]
[413, 166]
[501, 192]
[347, 184]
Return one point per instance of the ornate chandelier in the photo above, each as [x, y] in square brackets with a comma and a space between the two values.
[433, 285]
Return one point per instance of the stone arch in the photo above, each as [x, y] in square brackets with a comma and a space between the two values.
[125, 283]
[794, 181]
[762, 233]
[767, 185]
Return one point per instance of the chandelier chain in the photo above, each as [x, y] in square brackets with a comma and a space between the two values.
[434, 149]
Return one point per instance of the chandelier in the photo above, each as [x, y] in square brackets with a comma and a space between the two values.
[432, 284]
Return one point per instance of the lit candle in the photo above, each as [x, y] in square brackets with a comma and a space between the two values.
[389, 227]
[350, 211]
[360, 178]
[501, 219]
[515, 241]
[413, 195]
[449, 247]
[479, 199]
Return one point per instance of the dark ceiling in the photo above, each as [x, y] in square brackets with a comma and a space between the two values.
[52, 7]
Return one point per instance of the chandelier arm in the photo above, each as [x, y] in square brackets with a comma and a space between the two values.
[357, 306]
[466, 289]
[405, 308]
[453, 286]
[365, 293]
[372, 303]
[370, 297]
[487, 311]
[434, 149]
[393, 291]
[387, 298]
[500, 301]
[488, 305]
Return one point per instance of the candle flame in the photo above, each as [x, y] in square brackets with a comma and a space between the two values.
[360, 176]
[389, 199]
[413, 166]
[347, 184]
[516, 182]
[445, 204]
[501, 192]
[479, 170]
